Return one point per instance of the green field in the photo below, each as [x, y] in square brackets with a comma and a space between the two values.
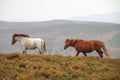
[17, 66]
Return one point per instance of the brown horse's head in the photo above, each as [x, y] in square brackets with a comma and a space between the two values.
[67, 43]
[71, 42]
[19, 35]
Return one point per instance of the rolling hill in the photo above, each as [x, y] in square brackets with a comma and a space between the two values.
[108, 18]
[56, 31]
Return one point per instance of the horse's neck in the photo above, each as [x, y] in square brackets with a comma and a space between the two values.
[21, 39]
[75, 42]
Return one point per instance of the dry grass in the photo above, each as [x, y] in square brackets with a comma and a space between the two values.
[16, 66]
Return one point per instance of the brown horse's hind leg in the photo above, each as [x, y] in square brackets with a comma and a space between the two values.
[100, 53]
[77, 53]
[84, 54]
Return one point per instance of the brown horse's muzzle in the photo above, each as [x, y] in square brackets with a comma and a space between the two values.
[65, 47]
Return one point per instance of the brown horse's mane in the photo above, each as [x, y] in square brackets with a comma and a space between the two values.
[23, 35]
[73, 41]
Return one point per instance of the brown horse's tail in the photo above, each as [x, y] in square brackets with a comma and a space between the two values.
[105, 50]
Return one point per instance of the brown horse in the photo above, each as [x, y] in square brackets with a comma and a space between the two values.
[86, 46]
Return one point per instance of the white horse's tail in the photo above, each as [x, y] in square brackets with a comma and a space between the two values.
[43, 47]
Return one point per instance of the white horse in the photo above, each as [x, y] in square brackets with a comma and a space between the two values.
[29, 43]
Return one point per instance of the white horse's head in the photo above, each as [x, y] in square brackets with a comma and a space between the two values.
[15, 36]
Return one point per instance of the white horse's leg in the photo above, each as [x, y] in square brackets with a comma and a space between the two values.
[39, 46]
[40, 50]
[25, 50]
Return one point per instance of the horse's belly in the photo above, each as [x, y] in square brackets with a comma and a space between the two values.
[87, 49]
[31, 47]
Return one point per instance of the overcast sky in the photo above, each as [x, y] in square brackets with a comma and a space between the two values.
[41, 10]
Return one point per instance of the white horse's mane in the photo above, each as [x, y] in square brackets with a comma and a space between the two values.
[23, 35]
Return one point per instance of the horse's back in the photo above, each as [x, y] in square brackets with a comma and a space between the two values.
[97, 43]
[89, 45]
[86, 45]
[36, 40]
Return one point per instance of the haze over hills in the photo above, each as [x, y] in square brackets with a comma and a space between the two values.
[108, 17]
[56, 31]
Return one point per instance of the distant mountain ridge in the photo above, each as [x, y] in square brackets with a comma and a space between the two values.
[108, 18]
[55, 22]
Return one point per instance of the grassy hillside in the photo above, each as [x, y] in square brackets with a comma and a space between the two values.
[57, 67]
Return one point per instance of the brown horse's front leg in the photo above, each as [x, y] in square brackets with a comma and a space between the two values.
[84, 54]
[77, 53]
